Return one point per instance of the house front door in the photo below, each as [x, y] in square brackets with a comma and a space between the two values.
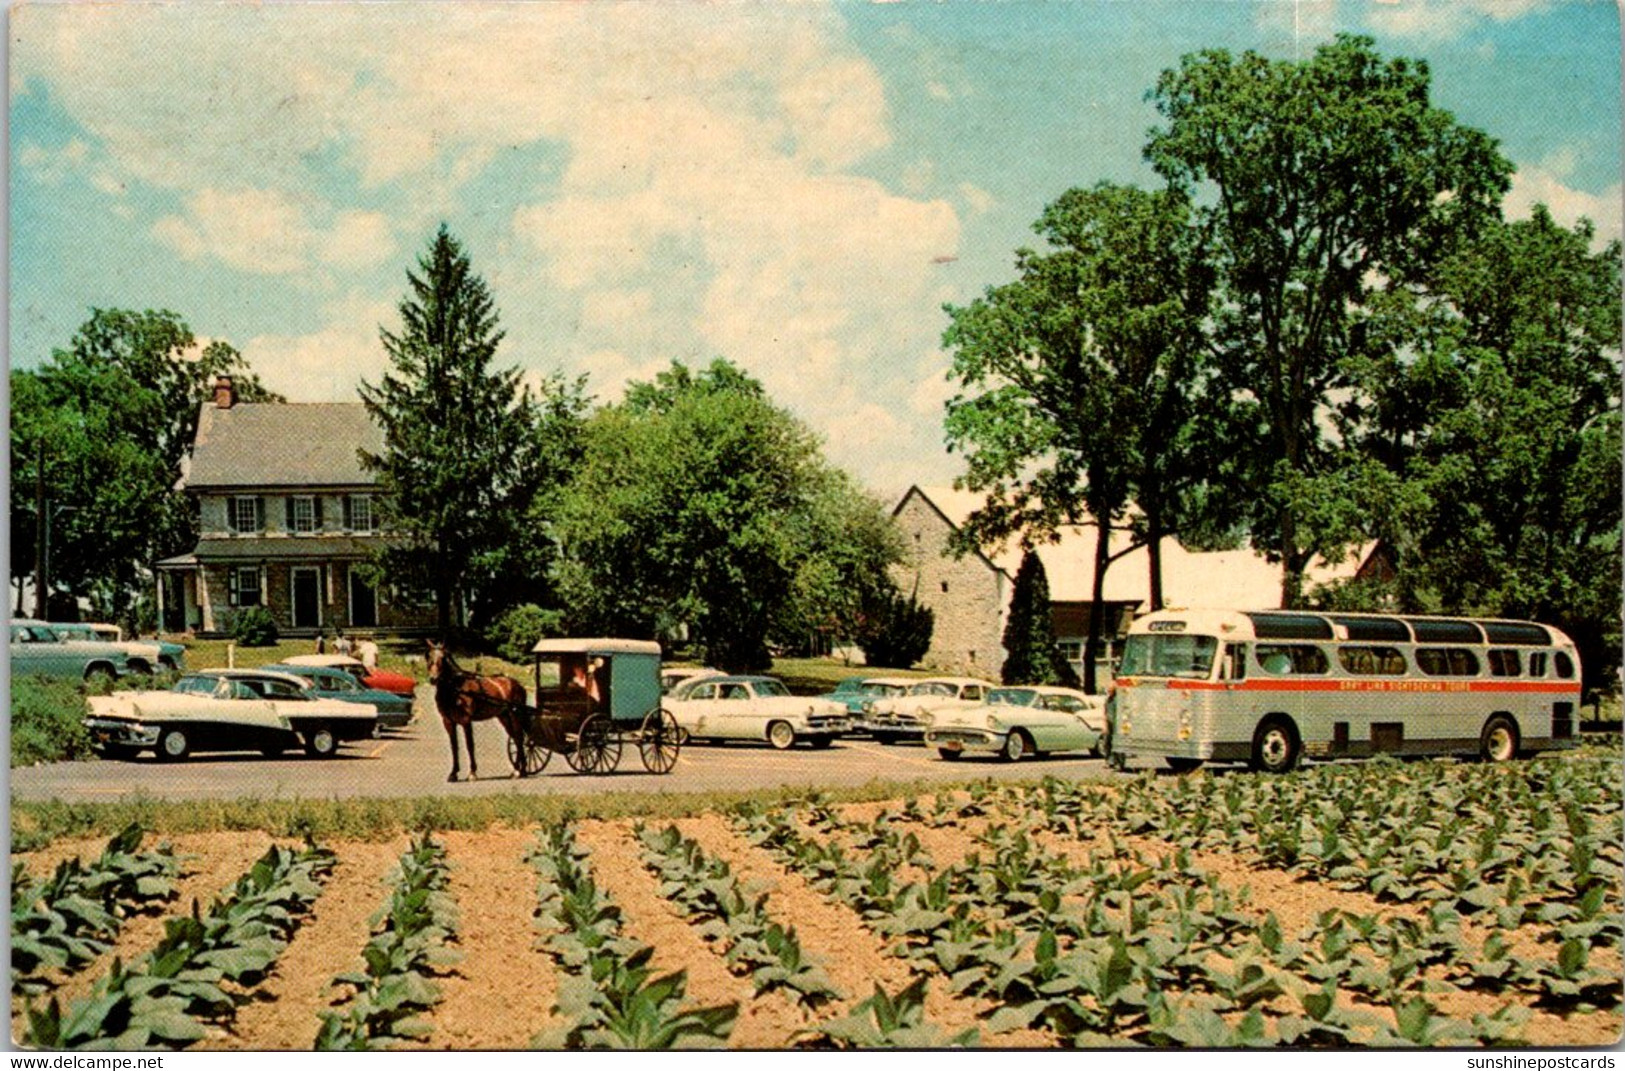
[363, 602]
[307, 598]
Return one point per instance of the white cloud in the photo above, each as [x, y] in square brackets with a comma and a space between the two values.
[709, 202]
[329, 363]
[266, 232]
[1444, 20]
[54, 166]
[357, 240]
[1537, 185]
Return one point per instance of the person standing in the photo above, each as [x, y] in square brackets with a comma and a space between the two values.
[342, 644]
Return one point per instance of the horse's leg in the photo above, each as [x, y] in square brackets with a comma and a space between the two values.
[451, 735]
[468, 735]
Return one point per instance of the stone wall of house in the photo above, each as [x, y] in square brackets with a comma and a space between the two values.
[967, 594]
[276, 594]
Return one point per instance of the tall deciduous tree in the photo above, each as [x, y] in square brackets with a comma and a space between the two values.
[98, 433]
[463, 457]
[1322, 184]
[1085, 387]
[1491, 443]
[1031, 654]
[699, 503]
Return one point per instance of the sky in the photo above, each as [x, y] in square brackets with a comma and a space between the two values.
[799, 188]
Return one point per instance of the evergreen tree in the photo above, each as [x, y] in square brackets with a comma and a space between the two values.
[463, 458]
[1031, 656]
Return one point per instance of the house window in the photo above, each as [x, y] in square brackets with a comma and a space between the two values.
[945, 587]
[359, 513]
[1071, 650]
[302, 514]
[245, 514]
[245, 585]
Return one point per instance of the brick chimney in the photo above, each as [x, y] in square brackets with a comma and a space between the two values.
[225, 395]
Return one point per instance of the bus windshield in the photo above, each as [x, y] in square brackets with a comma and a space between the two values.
[1166, 655]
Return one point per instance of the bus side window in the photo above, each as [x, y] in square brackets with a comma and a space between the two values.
[1281, 659]
[1504, 662]
[1537, 663]
[1564, 665]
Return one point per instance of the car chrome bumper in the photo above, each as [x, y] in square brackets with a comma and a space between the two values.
[126, 733]
[963, 740]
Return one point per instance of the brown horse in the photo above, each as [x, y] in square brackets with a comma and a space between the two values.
[464, 698]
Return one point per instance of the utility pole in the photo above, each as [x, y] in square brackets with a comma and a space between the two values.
[42, 532]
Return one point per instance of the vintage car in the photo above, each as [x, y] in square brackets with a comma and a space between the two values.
[226, 710]
[36, 648]
[891, 719]
[370, 676]
[1031, 720]
[854, 691]
[673, 678]
[755, 708]
[330, 682]
[146, 656]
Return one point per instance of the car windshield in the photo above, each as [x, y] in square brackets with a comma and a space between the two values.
[851, 686]
[1012, 697]
[932, 688]
[1189, 657]
[196, 685]
[770, 688]
[882, 688]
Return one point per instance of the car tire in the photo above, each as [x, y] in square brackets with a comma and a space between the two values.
[820, 742]
[173, 745]
[948, 755]
[1015, 746]
[320, 743]
[781, 734]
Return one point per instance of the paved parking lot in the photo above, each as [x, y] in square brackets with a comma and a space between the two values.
[415, 761]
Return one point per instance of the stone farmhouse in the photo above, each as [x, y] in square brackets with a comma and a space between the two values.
[286, 517]
[970, 596]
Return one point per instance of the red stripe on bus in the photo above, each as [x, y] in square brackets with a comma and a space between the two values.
[1351, 684]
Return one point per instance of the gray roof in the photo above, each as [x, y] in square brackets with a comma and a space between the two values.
[282, 444]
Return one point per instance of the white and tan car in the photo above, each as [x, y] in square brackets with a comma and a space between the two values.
[904, 716]
[226, 710]
[1023, 720]
[755, 708]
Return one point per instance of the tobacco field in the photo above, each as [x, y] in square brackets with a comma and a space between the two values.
[1384, 904]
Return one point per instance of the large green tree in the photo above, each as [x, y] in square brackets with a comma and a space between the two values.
[98, 433]
[1322, 184]
[1490, 442]
[1085, 385]
[466, 456]
[698, 503]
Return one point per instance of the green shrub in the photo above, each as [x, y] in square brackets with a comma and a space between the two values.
[896, 632]
[47, 721]
[516, 631]
[254, 627]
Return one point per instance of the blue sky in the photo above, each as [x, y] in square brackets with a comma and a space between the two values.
[799, 188]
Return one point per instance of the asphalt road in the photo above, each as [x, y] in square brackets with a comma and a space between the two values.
[415, 761]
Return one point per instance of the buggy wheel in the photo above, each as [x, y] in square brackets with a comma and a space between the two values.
[660, 741]
[526, 755]
[598, 746]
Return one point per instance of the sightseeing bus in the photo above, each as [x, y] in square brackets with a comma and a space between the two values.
[1269, 688]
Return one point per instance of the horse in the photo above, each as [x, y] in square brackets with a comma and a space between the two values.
[463, 698]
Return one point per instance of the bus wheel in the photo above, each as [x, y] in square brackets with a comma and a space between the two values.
[1499, 740]
[1275, 745]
